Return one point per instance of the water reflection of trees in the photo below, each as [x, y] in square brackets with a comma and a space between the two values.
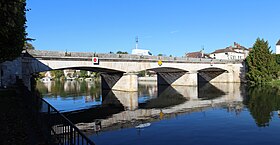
[70, 88]
[261, 102]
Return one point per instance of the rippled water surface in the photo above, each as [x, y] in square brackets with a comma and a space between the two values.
[208, 114]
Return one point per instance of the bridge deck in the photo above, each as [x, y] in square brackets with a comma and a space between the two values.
[47, 55]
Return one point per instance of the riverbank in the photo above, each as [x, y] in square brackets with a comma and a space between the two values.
[17, 125]
[151, 79]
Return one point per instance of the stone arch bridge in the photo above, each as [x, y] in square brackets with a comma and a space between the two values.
[119, 71]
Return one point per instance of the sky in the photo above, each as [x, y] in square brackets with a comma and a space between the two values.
[170, 27]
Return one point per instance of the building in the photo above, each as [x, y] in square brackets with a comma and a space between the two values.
[46, 79]
[232, 52]
[278, 47]
[199, 54]
[238, 48]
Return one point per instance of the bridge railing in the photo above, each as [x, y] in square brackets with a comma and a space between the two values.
[124, 57]
[57, 128]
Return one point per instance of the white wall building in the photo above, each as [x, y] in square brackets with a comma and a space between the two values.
[233, 52]
[227, 54]
[278, 47]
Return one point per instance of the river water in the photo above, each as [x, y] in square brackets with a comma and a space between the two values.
[224, 113]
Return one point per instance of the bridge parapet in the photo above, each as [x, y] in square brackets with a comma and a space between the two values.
[123, 57]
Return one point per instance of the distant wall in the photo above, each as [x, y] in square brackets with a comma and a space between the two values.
[10, 71]
[154, 78]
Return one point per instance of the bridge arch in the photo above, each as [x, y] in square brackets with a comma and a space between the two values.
[166, 69]
[172, 76]
[209, 74]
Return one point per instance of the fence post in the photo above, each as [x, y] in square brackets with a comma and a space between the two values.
[71, 135]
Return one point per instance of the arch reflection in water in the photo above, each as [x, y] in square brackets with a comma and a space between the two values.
[117, 107]
[169, 102]
[202, 109]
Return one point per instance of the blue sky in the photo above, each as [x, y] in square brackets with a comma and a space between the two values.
[170, 27]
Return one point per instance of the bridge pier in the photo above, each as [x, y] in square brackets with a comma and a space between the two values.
[120, 81]
[220, 77]
[128, 99]
[228, 77]
[177, 78]
[225, 77]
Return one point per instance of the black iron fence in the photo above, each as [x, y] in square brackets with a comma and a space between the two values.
[56, 127]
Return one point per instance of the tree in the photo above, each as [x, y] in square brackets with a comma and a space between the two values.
[57, 73]
[142, 73]
[121, 52]
[12, 28]
[83, 73]
[277, 58]
[28, 46]
[262, 66]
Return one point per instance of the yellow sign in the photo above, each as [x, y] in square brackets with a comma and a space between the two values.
[159, 62]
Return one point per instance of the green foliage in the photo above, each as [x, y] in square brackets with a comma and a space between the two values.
[40, 75]
[160, 54]
[57, 74]
[28, 46]
[83, 74]
[277, 58]
[274, 83]
[12, 28]
[261, 102]
[95, 74]
[121, 52]
[142, 73]
[261, 64]
[78, 89]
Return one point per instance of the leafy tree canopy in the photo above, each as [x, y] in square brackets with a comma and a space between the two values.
[83, 73]
[262, 66]
[12, 28]
[121, 52]
[277, 58]
[57, 73]
[28, 46]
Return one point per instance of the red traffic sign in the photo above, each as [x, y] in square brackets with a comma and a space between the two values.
[95, 60]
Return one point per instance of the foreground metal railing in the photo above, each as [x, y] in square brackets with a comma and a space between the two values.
[56, 127]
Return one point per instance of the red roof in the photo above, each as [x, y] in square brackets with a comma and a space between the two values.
[278, 43]
[231, 48]
[224, 50]
[194, 54]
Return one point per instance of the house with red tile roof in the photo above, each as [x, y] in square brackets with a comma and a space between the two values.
[232, 52]
[199, 54]
[278, 47]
